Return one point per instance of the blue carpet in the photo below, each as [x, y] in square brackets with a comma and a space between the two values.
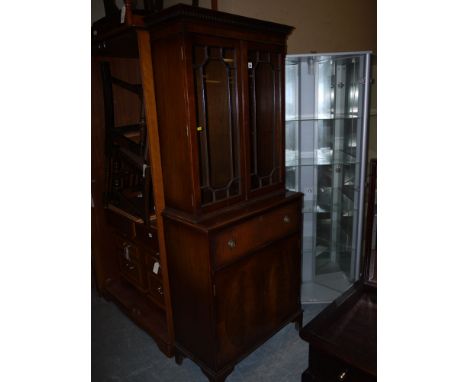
[122, 352]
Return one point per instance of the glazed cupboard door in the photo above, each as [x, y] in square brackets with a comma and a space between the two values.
[266, 111]
[216, 84]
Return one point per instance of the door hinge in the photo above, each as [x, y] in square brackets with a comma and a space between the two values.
[186, 129]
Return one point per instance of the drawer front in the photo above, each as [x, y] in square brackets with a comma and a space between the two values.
[153, 264]
[147, 236]
[126, 248]
[153, 274]
[130, 262]
[132, 271]
[155, 289]
[327, 368]
[234, 242]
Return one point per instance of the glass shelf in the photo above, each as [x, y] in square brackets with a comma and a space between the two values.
[322, 118]
[320, 249]
[320, 157]
[346, 209]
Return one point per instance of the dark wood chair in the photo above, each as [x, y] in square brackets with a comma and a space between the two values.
[128, 177]
[343, 337]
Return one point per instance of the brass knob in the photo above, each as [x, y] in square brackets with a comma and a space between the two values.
[160, 290]
[342, 376]
[286, 219]
[231, 243]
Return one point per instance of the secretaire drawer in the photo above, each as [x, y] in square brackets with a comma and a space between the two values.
[232, 243]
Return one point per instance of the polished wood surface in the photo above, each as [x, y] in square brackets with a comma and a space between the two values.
[192, 291]
[233, 242]
[257, 295]
[184, 45]
[233, 253]
[146, 67]
[172, 98]
[248, 298]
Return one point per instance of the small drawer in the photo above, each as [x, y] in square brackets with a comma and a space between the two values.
[123, 225]
[234, 242]
[155, 288]
[133, 273]
[126, 248]
[327, 368]
[147, 236]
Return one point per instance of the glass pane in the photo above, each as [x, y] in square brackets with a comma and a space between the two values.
[291, 178]
[292, 88]
[292, 137]
[264, 164]
[264, 121]
[217, 125]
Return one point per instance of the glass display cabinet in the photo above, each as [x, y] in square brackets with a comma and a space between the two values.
[327, 99]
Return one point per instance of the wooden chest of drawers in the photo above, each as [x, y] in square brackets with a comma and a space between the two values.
[137, 251]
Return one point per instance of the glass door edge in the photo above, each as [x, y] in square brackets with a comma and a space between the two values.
[362, 181]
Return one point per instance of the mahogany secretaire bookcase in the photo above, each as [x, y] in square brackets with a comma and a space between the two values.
[213, 270]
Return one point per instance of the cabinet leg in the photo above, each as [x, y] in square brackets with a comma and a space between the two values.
[298, 322]
[218, 377]
[179, 357]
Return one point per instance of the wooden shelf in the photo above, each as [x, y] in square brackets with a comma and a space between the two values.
[130, 216]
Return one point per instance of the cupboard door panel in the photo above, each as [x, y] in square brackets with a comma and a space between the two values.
[265, 66]
[255, 296]
[218, 132]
